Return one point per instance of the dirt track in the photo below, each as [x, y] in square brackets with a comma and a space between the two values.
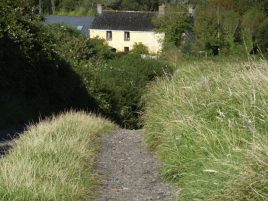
[130, 172]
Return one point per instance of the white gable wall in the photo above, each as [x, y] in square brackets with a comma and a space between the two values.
[149, 38]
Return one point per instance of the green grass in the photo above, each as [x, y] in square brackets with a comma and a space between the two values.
[208, 123]
[54, 160]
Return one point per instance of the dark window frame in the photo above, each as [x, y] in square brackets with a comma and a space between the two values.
[127, 36]
[126, 49]
[109, 35]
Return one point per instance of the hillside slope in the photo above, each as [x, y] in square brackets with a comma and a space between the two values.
[209, 125]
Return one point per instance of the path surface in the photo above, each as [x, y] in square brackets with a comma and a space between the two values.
[130, 172]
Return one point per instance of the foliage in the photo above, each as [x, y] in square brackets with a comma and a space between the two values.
[73, 46]
[150, 5]
[252, 21]
[54, 160]
[208, 125]
[115, 82]
[118, 85]
[262, 36]
[34, 79]
[228, 24]
[139, 48]
[174, 23]
[85, 7]
[215, 25]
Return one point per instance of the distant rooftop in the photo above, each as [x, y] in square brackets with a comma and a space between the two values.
[82, 23]
[124, 20]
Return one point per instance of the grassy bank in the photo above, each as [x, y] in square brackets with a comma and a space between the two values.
[53, 160]
[209, 125]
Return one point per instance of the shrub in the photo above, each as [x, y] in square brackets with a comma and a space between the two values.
[119, 84]
[74, 47]
[139, 48]
[115, 82]
[262, 36]
[46, 69]
[34, 79]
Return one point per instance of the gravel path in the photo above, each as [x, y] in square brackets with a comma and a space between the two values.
[130, 172]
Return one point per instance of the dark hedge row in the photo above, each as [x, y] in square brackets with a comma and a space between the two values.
[116, 81]
[47, 69]
[34, 79]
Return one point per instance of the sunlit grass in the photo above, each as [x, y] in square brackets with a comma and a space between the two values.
[209, 124]
[54, 160]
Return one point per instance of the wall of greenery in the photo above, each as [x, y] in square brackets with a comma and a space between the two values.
[46, 69]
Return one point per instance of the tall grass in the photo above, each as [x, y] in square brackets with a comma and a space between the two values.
[209, 125]
[53, 160]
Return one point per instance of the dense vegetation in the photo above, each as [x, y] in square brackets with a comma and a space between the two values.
[34, 79]
[88, 7]
[116, 81]
[54, 160]
[208, 123]
[216, 26]
[46, 69]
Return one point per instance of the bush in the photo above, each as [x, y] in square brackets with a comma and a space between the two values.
[262, 36]
[54, 160]
[46, 69]
[139, 48]
[115, 81]
[34, 79]
[75, 48]
[208, 124]
[119, 84]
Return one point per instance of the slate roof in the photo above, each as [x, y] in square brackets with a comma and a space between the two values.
[124, 20]
[82, 23]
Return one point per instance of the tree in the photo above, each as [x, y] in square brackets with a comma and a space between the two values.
[140, 48]
[40, 7]
[262, 35]
[53, 6]
[174, 23]
[251, 22]
[216, 24]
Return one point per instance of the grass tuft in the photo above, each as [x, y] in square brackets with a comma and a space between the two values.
[209, 125]
[53, 160]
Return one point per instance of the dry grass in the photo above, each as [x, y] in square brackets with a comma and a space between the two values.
[53, 160]
[209, 125]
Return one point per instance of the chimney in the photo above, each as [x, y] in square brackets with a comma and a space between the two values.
[161, 10]
[99, 9]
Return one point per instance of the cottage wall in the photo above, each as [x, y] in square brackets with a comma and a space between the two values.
[151, 39]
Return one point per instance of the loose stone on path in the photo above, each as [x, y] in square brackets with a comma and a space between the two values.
[130, 172]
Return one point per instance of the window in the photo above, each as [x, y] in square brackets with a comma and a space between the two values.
[80, 27]
[109, 35]
[127, 36]
[126, 49]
